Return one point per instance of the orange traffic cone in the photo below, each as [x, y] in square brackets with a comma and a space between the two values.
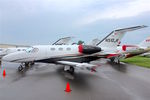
[68, 87]
[4, 73]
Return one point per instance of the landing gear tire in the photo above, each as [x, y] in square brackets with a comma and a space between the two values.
[27, 65]
[23, 67]
[112, 59]
[117, 61]
[32, 63]
[20, 68]
[71, 70]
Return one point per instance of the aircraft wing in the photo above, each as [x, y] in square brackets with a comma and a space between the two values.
[87, 66]
[62, 41]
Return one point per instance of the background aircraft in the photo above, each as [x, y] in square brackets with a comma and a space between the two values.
[126, 51]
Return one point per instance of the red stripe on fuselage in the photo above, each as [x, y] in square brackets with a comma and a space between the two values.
[80, 48]
[111, 55]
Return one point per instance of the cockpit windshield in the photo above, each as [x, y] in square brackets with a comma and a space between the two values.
[31, 50]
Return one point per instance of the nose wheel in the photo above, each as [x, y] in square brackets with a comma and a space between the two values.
[23, 67]
[20, 68]
[116, 60]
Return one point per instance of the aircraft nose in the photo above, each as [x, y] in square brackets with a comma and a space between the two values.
[13, 57]
[7, 58]
[87, 49]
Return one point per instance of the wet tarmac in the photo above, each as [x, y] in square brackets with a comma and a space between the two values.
[48, 82]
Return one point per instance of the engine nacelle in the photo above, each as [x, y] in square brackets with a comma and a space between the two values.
[88, 49]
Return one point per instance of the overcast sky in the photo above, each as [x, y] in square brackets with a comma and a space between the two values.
[44, 21]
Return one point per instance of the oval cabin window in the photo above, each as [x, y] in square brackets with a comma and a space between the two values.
[60, 49]
[68, 49]
[52, 49]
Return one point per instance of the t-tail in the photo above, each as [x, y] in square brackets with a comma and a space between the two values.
[114, 38]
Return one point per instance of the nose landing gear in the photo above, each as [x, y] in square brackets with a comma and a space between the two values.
[20, 68]
[24, 66]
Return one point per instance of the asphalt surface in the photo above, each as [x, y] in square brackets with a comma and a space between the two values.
[48, 82]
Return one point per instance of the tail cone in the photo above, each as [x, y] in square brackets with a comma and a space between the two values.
[68, 87]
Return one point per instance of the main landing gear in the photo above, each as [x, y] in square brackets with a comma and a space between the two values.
[115, 60]
[69, 69]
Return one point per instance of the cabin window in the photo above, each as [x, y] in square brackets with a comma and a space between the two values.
[52, 49]
[68, 49]
[60, 49]
[18, 50]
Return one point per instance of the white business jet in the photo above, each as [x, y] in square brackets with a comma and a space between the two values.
[74, 56]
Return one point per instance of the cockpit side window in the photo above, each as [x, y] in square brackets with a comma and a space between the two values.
[29, 50]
